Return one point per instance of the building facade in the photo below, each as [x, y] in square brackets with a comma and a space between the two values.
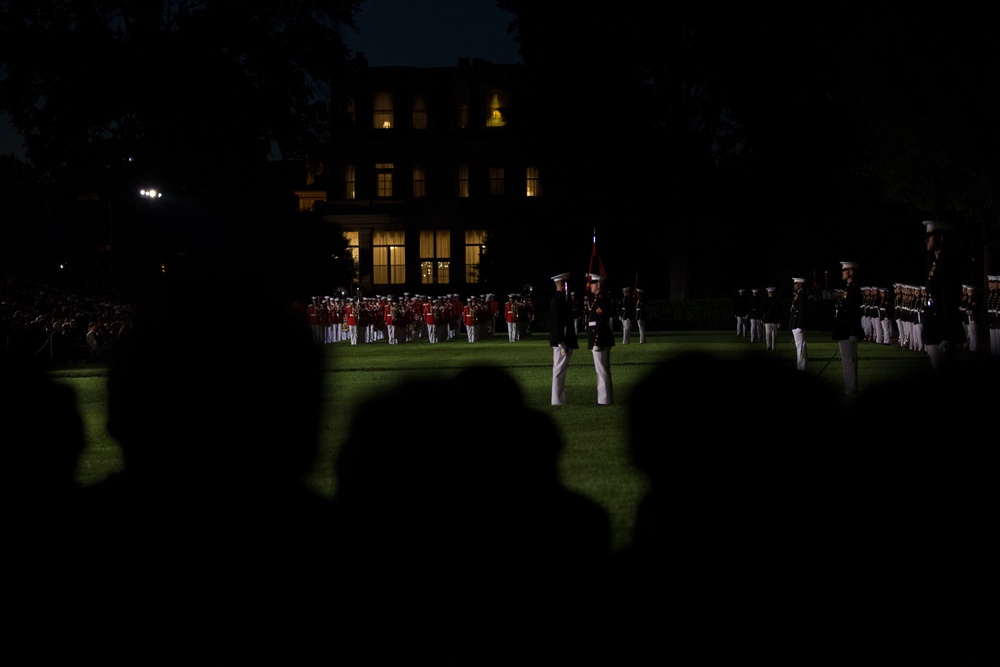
[425, 164]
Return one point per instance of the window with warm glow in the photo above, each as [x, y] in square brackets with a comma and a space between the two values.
[495, 117]
[463, 180]
[382, 107]
[475, 247]
[383, 175]
[435, 256]
[349, 182]
[309, 198]
[534, 182]
[419, 113]
[353, 247]
[419, 182]
[389, 254]
[496, 181]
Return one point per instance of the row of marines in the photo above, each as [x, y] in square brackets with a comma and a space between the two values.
[412, 317]
[886, 314]
[902, 312]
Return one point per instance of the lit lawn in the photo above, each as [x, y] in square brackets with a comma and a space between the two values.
[595, 458]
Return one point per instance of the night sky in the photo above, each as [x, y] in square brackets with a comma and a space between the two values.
[432, 33]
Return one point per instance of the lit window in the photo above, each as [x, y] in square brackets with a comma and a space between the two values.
[475, 247]
[496, 181]
[419, 182]
[419, 113]
[463, 180]
[389, 258]
[534, 182]
[309, 198]
[495, 118]
[382, 111]
[353, 247]
[383, 173]
[349, 182]
[435, 256]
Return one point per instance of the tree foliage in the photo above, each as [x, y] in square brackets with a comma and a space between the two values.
[923, 86]
[754, 142]
[193, 93]
[189, 97]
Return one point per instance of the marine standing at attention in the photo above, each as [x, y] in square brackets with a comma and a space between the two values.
[942, 325]
[771, 316]
[627, 314]
[797, 322]
[847, 327]
[600, 337]
[640, 314]
[562, 338]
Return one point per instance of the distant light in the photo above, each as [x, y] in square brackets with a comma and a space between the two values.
[385, 125]
[151, 194]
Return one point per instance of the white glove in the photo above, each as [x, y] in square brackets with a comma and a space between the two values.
[562, 349]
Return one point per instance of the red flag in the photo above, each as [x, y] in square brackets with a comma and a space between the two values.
[594, 257]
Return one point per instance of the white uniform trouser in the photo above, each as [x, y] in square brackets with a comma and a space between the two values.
[642, 331]
[602, 364]
[886, 330]
[917, 337]
[972, 333]
[849, 361]
[770, 334]
[801, 355]
[741, 326]
[560, 364]
[756, 331]
[626, 331]
[942, 355]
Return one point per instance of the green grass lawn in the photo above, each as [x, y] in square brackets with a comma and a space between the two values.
[595, 458]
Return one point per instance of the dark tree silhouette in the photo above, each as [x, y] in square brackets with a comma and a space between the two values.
[747, 144]
[193, 94]
[189, 98]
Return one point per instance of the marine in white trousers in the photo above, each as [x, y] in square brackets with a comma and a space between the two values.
[560, 364]
[602, 364]
[801, 354]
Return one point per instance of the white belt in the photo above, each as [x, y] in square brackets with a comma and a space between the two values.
[593, 324]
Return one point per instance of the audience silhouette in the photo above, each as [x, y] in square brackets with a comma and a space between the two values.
[794, 530]
[211, 528]
[460, 525]
[43, 442]
[734, 544]
[925, 505]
